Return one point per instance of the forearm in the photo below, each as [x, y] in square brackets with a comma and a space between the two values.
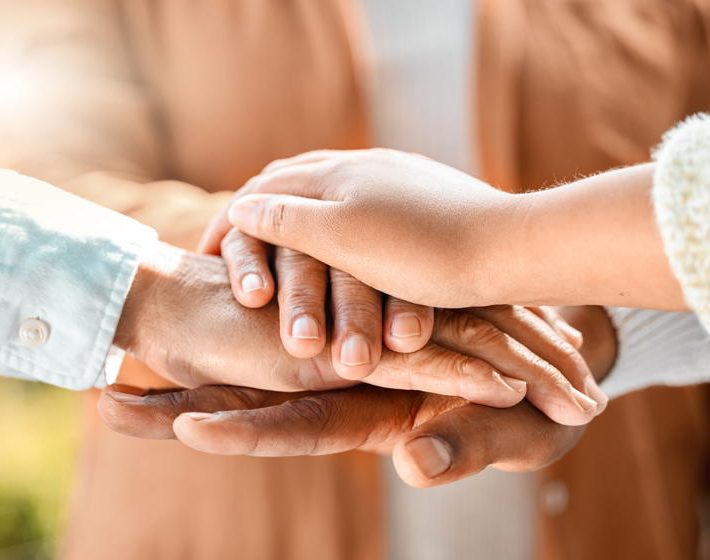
[594, 241]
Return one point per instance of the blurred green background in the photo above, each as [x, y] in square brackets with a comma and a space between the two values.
[39, 437]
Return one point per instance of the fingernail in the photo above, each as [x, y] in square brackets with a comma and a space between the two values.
[517, 385]
[252, 282]
[125, 397]
[587, 404]
[430, 454]
[305, 327]
[406, 325]
[355, 351]
[198, 416]
[569, 330]
[594, 391]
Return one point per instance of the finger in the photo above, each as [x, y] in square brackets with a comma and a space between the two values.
[128, 411]
[211, 240]
[314, 156]
[317, 424]
[547, 388]
[300, 224]
[467, 439]
[290, 176]
[542, 340]
[356, 346]
[297, 179]
[248, 265]
[563, 328]
[441, 371]
[407, 326]
[302, 285]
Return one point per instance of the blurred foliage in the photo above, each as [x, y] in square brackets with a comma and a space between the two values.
[39, 437]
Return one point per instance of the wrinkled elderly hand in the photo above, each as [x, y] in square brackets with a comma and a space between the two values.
[360, 318]
[180, 319]
[434, 439]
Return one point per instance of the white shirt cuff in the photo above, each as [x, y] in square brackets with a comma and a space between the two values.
[66, 266]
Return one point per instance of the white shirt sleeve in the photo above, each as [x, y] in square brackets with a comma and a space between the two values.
[657, 348]
[66, 266]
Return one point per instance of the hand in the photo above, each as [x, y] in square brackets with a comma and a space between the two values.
[435, 440]
[403, 224]
[424, 232]
[303, 282]
[358, 327]
[180, 320]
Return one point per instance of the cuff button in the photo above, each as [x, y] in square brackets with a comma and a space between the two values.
[34, 332]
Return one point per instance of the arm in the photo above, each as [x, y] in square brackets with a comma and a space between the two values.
[593, 241]
[69, 265]
[643, 233]
[66, 266]
[424, 232]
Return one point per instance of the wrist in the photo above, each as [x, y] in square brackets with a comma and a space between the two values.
[497, 242]
[145, 306]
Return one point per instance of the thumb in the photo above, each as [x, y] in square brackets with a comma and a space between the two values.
[301, 224]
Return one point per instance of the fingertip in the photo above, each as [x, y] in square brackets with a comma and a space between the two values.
[404, 333]
[421, 461]
[356, 357]
[594, 391]
[575, 410]
[253, 289]
[408, 327]
[192, 429]
[573, 336]
[304, 337]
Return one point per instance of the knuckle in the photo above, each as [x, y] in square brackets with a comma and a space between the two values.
[299, 298]
[290, 261]
[178, 400]
[356, 306]
[273, 217]
[296, 260]
[465, 367]
[472, 331]
[240, 252]
[275, 164]
[313, 410]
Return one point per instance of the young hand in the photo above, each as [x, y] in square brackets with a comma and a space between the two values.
[401, 223]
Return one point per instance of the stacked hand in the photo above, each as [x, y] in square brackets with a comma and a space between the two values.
[181, 320]
[434, 439]
[436, 368]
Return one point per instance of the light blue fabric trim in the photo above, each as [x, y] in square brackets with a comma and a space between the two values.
[70, 263]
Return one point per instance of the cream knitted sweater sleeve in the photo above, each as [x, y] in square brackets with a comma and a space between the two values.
[656, 347]
[681, 196]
